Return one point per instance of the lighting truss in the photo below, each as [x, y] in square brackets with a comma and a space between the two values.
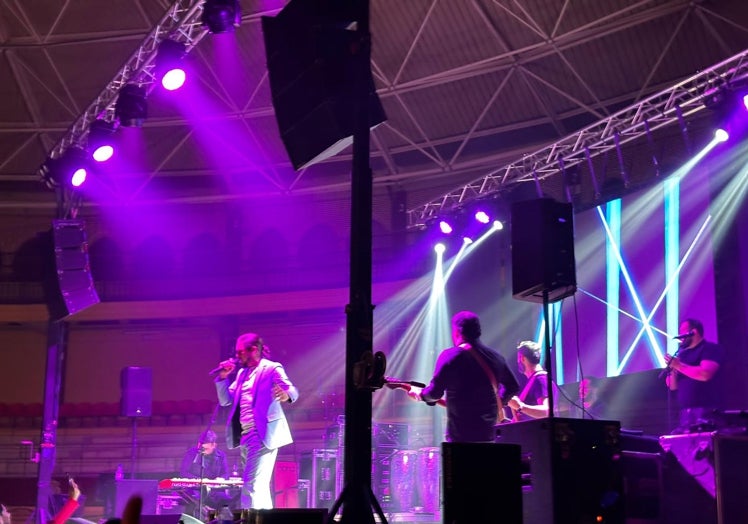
[657, 111]
[181, 23]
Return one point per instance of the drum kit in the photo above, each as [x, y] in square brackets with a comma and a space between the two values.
[414, 480]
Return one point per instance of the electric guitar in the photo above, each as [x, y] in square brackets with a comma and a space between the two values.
[407, 386]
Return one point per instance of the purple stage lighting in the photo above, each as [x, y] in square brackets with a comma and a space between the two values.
[720, 135]
[103, 153]
[745, 101]
[79, 176]
[173, 79]
[482, 217]
[101, 140]
[444, 227]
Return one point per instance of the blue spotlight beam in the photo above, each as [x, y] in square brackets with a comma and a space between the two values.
[673, 280]
[629, 282]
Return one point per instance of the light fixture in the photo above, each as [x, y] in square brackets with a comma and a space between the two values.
[720, 135]
[482, 217]
[221, 16]
[69, 170]
[444, 227]
[131, 108]
[101, 140]
[169, 64]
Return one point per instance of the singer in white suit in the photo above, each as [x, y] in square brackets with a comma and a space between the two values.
[256, 423]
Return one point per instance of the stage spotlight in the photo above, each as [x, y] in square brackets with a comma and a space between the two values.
[169, 64]
[101, 140]
[69, 170]
[745, 101]
[444, 227]
[467, 240]
[440, 248]
[720, 135]
[221, 16]
[482, 217]
[497, 225]
[131, 108]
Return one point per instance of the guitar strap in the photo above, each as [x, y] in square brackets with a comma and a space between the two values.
[526, 390]
[491, 378]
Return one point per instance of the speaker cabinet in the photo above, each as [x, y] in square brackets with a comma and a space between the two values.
[126, 488]
[314, 77]
[481, 483]
[571, 470]
[321, 467]
[137, 392]
[68, 284]
[542, 250]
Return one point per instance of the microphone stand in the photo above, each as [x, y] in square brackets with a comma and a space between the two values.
[202, 460]
[666, 371]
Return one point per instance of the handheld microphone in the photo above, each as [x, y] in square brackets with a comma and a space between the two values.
[684, 335]
[221, 366]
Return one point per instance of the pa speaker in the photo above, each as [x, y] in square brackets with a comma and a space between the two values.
[137, 386]
[316, 78]
[542, 250]
[482, 483]
[68, 285]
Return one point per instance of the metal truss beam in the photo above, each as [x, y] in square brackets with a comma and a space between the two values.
[180, 23]
[657, 111]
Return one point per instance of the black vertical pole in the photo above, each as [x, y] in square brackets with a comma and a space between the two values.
[56, 345]
[548, 357]
[357, 498]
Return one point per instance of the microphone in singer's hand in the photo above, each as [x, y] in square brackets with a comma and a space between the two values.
[684, 335]
[222, 366]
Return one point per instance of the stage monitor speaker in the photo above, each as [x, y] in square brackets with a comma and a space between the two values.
[137, 386]
[123, 489]
[68, 284]
[169, 519]
[482, 483]
[572, 470]
[286, 516]
[314, 73]
[542, 250]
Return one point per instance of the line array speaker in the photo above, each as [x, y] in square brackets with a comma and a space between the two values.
[315, 70]
[68, 284]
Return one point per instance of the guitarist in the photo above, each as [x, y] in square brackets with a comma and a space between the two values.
[472, 376]
[532, 401]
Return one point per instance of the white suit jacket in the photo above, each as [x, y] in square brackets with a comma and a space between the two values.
[270, 420]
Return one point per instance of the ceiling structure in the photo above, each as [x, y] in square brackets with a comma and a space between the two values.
[469, 87]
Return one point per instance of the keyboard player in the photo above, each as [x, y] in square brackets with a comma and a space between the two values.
[206, 461]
